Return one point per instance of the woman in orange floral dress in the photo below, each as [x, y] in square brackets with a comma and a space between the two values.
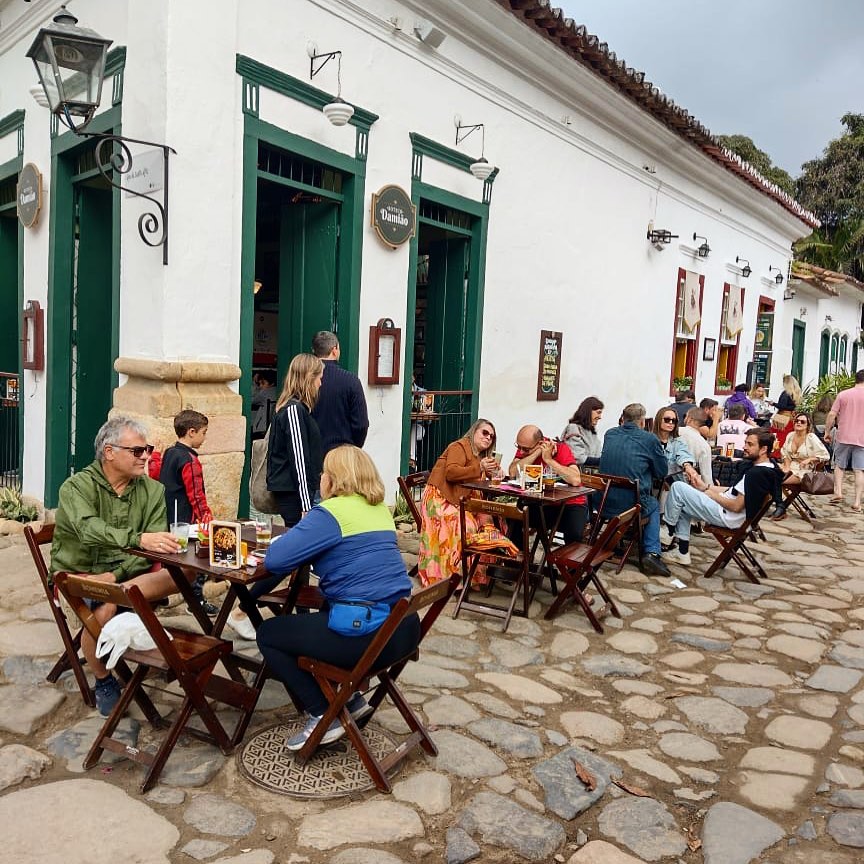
[466, 459]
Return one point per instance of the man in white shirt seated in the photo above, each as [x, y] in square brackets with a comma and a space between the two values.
[733, 429]
[696, 444]
[716, 505]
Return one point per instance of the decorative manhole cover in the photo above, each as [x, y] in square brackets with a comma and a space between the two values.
[333, 772]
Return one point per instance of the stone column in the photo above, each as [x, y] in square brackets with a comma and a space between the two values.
[156, 390]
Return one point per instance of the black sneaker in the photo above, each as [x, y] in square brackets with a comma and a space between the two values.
[208, 608]
[107, 693]
[653, 565]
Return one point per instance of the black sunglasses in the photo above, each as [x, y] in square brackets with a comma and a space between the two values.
[669, 419]
[137, 452]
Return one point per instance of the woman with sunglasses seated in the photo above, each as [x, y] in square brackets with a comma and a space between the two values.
[467, 459]
[802, 451]
[678, 456]
[351, 539]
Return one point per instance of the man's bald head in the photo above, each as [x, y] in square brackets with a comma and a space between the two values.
[528, 437]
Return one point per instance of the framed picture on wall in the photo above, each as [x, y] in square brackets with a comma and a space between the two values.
[709, 348]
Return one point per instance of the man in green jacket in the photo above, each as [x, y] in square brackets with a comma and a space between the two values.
[108, 507]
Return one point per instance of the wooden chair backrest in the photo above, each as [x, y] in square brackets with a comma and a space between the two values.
[77, 589]
[505, 510]
[435, 597]
[35, 540]
[602, 484]
[408, 485]
[608, 539]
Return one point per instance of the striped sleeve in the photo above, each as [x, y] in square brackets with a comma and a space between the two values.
[299, 448]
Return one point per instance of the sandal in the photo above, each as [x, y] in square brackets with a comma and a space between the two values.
[855, 508]
[835, 500]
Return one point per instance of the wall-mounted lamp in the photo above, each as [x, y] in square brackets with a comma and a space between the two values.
[779, 277]
[660, 238]
[428, 33]
[481, 169]
[338, 112]
[70, 63]
[704, 249]
[256, 286]
[789, 293]
[745, 268]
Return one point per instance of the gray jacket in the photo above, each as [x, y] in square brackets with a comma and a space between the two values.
[582, 442]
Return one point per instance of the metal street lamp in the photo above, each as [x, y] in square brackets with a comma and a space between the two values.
[70, 62]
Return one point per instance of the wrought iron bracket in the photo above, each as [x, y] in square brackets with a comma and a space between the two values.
[117, 161]
[324, 59]
[463, 131]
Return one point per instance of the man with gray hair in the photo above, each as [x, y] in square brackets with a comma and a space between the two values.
[340, 411]
[630, 451]
[104, 510]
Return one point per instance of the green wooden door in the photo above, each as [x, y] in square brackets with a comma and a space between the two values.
[9, 312]
[798, 331]
[447, 315]
[308, 277]
[92, 317]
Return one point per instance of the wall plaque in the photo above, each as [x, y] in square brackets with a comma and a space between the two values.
[394, 216]
[29, 195]
[549, 371]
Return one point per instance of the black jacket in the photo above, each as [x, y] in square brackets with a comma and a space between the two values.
[341, 408]
[294, 456]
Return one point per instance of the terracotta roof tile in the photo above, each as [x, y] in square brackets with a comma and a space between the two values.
[588, 50]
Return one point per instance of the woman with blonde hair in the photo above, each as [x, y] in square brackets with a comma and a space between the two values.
[350, 538]
[791, 395]
[294, 453]
[468, 458]
[294, 457]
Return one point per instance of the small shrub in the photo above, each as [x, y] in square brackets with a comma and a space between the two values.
[12, 506]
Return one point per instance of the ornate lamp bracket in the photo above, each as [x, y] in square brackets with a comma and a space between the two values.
[114, 160]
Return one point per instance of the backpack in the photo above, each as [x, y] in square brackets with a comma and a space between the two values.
[262, 498]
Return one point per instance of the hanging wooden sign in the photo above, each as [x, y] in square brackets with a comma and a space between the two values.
[394, 216]
[29, 195]
[549, 367]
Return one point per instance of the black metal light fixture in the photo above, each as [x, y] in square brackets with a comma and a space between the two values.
[745, 268]
[481, 169]
[70, 62]
[704, 249]
[338, 112]
[660, 237]
[779, 277]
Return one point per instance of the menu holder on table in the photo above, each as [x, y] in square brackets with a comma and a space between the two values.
[532, 478]
[225, 545]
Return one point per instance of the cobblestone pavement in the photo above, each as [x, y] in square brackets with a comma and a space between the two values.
[722, 722]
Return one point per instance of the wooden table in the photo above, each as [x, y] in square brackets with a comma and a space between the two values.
[558, 496]
[236, 691]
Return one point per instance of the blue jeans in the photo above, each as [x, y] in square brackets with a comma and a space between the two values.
[685, 504]
[651, 531]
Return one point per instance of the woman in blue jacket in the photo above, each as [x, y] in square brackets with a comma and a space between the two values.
[350, 538]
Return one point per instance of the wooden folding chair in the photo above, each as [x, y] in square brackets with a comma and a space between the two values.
[601, 486]
[70, 658]
[513, 572]
[734, 546]
[633, 537]
[339, 685]
[411, 486]
[188, 658]
[579, 563]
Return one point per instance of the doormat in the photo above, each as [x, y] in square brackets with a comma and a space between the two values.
[333, 772]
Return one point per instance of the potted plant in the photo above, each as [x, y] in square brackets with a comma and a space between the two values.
[828, 385]
[684, 382]
[724, 384]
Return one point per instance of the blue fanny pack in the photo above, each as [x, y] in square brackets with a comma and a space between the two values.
[356, 617]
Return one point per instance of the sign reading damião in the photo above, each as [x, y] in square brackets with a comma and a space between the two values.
[29, 194]
[393, 215]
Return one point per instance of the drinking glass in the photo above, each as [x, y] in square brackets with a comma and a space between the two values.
[180, 530]
[263, 530]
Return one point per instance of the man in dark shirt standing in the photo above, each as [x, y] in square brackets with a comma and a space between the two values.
[341, 408]
[630, 451]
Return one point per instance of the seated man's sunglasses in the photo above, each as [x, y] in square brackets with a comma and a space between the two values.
[137, 452]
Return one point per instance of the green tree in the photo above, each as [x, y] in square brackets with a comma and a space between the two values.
[833, 188]
[744, 147]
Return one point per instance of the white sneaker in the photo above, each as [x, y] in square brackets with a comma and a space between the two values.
[243, 627]
[676, 556]
[667, 538]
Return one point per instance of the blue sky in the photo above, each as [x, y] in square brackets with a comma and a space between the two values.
[780, 71]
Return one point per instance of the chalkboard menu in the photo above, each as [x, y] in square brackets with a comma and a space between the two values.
[764, 331]
[549, 371]
[762, 367]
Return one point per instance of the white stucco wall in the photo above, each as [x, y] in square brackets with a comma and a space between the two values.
[570, 207]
